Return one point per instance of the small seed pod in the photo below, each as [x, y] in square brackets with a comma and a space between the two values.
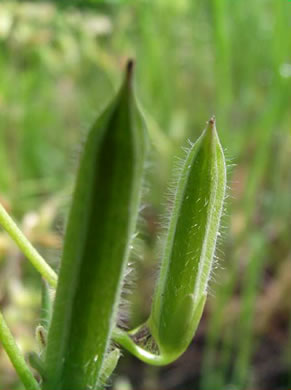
[190, 244]
[187, 260]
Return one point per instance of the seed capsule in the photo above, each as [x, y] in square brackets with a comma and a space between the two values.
[190, 244]
[100, 227]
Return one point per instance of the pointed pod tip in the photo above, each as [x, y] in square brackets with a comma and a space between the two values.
[212, 121]
[211, 124]
[129, 69]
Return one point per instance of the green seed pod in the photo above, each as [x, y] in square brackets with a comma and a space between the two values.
[188, 255]
[190, 244]
[100, 228]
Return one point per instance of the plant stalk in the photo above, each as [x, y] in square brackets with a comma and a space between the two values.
[16, 357]
[25, 246]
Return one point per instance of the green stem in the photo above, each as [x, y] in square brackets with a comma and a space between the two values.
[121, 337]
[25, 246]
[16, 357]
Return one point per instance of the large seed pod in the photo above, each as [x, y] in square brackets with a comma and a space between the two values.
[100, 227]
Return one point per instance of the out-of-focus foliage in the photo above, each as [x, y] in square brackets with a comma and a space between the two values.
[60, 63]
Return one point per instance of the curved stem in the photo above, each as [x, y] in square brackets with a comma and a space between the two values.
[16, 357]
[121, 337]
[25, 246]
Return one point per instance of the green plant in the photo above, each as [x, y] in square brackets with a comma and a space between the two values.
[75, 332]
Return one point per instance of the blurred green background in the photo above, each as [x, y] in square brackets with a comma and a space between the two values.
[60, 62]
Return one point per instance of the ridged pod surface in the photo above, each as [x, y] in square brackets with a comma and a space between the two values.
[100, 227]
[190, 244]
[187, 259]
